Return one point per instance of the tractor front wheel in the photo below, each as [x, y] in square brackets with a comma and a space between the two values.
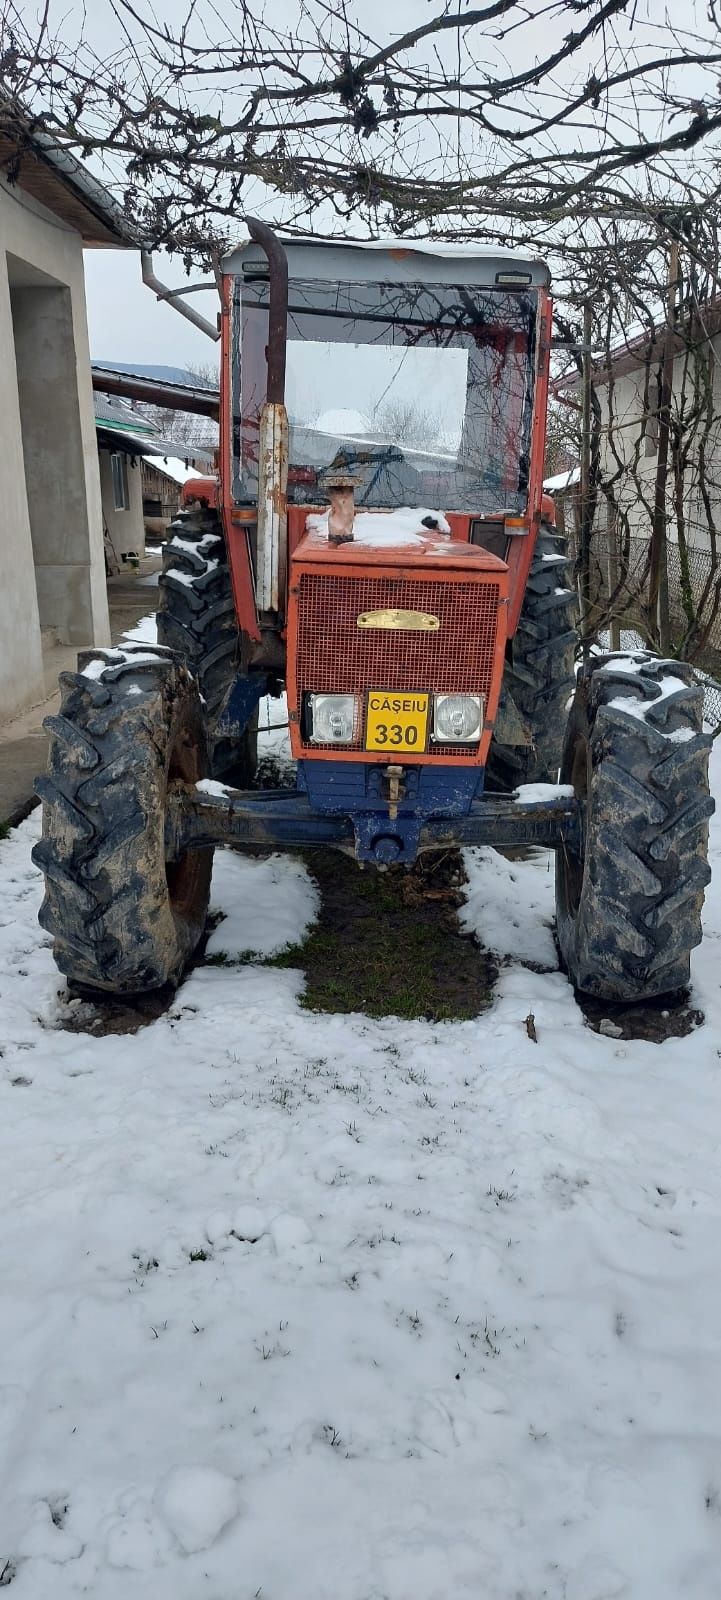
[123, 918]
[629, 899]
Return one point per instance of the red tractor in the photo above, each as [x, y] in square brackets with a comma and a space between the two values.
[378, 544]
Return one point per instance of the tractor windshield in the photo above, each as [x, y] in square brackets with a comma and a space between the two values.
[422, 392]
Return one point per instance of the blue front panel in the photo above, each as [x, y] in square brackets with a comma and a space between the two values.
[346, 787]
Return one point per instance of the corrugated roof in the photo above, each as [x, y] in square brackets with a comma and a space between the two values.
[118, 414]
[130, 444]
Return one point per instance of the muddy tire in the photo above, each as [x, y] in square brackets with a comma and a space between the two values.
[628, 903]
[197, 618]
[122, 919]
[539, 675]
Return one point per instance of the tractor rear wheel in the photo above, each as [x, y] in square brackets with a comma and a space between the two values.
[629, 900]
[197, 618]
[539, 674]
[123, 918]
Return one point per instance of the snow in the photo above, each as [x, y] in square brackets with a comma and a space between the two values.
[297, 1305]
[173, 467]
[145, 630]
[213, 787]
[401, 527]
[124, 655]
[196, 1504]
[621, 662]
[510, 905]
[462, 249]
[189, 578]
[273, 736]
[537, 793]
[279, 919]
[195, 546]
[635, 707]
[562, 480]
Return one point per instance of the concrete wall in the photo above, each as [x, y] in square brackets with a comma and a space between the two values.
[21, 665]
[52, 551]
[125, 529]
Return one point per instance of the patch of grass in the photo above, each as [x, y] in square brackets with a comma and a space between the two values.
[4, 830]
[389, 944]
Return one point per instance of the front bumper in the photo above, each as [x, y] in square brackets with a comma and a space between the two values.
[284, 819]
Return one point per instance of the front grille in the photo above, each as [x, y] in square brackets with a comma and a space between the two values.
[335, 656]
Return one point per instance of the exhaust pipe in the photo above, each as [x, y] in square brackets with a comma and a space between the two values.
[272, 535]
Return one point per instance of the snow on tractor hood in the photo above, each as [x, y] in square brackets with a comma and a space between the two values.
[405, 526]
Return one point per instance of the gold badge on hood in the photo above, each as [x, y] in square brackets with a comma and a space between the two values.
[409, 621]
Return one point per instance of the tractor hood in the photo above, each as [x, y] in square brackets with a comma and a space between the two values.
[394, 539]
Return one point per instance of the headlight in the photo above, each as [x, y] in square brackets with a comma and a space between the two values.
[457, 718]
[332, 718]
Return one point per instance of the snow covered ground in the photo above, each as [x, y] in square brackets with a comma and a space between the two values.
[297, 1307]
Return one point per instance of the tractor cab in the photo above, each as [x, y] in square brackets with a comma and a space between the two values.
[415, 369]
[417, 373]
[382, 432]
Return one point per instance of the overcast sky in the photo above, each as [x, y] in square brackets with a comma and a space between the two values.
[127, 323]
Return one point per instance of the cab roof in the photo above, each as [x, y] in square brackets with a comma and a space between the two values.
[396, 261]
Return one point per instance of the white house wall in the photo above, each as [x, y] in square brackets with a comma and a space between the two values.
[125, 529]
[53, 560]
[630, 466]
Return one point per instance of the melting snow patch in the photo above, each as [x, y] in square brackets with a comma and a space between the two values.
[194, 546]
[268, 905]
[407, 525]
[624, 663]
[535, 793]
[107, 660]
[212, 786]
[144, 632]
[188, 578]
[498, 895]
[634, 707]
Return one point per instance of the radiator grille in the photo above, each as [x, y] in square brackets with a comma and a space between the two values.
[334, 655]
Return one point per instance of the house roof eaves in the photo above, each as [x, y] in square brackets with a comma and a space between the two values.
[129, 444]
[60, 182]
[632, 354]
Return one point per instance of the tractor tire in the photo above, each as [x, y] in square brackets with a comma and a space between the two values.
[123, 919]
[539, 676]
[628, 903]
[197, 619]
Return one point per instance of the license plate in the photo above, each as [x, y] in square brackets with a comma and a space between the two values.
[397, 723]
